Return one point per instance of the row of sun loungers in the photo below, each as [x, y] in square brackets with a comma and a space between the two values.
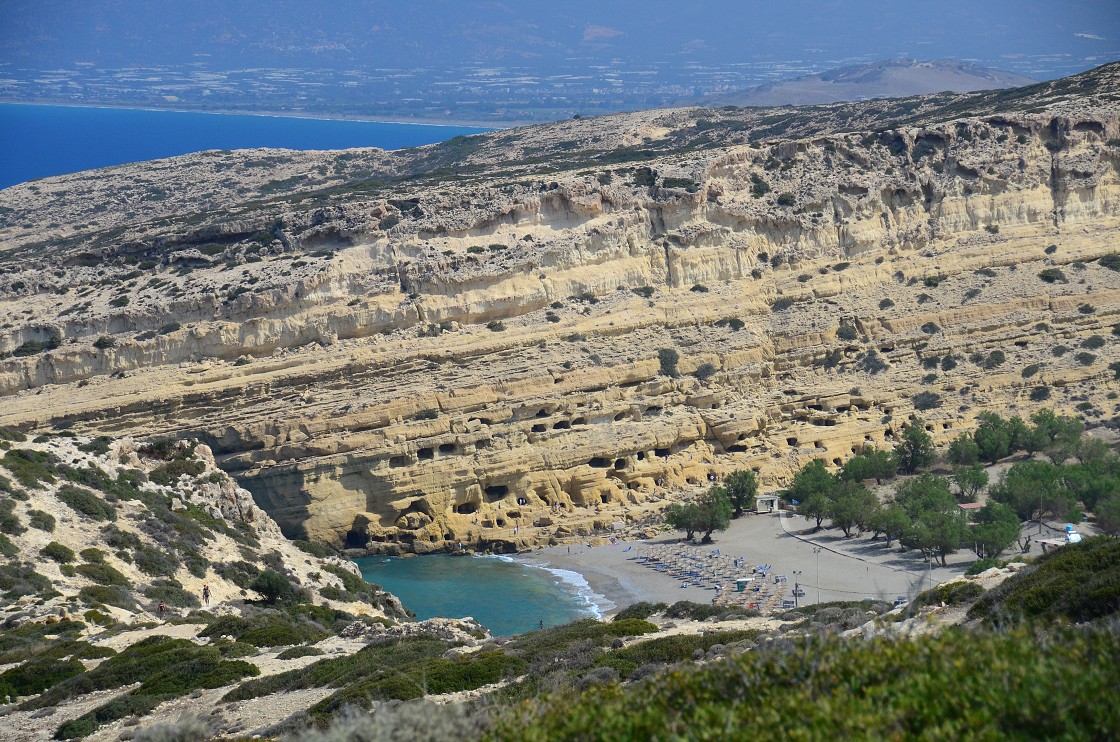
[717, 572]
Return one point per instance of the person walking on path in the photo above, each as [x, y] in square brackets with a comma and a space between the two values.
[160, 609]
[206, 594]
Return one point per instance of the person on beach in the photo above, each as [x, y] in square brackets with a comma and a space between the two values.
[206, 594]
[160, 609]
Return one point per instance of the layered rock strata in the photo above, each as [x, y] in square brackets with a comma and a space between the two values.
[448, 352]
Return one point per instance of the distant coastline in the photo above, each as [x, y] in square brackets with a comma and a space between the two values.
[38, 140]
[310, 115]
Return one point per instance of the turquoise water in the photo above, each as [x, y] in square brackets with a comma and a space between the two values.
[505, 595]
[39, 141]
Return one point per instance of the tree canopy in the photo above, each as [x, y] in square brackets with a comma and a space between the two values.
[742, 487]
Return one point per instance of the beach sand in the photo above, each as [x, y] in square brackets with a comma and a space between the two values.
[844, 569]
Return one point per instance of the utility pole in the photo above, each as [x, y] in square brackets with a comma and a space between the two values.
[817, 551]
[796, 586]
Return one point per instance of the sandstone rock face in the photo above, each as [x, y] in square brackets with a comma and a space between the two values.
[471, 354]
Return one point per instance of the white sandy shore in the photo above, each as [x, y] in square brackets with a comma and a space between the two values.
[844, 569]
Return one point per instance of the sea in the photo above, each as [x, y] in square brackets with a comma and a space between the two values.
[507, 595]
[39, 141]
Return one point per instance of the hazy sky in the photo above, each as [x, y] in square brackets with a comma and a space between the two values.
[1040, 39]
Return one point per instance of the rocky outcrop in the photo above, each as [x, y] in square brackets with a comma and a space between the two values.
[459, 352]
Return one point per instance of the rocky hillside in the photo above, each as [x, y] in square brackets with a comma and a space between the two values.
[529, 335]
[102, 531]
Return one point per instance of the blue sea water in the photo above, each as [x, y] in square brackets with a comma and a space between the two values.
[39, 141]
[508, 596]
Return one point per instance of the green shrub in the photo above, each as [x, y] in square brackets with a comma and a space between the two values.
[98, 446]
[34, 347]
[641, 611]
[759, 187]
[102, 574]
[9, 521]
[1031, 370]
[982, 565]
[21, 579]
[389, 657]
[668, 359]
[734, 323]
[40, 520]
[644, 291]
[846, 332]
[322, 551]
[37, 675]
[272, 586]
[1085, 359]
[1110, 261]
[495, 325]
[57, 552]
[173, 595]
[168, 474]
[927, 401]
[294, 653]
[886, 304]
[1040, 393]
[931, 328]
[32, 469]
[668, 649]
[12, 435]
[113, 595]
[705, 371]
[949, 593]
[86, 503]
[240, 573]
[155, 561]
[1052, 275]
[995, 359]
[786, 199]
[782, 304]
[871, 362]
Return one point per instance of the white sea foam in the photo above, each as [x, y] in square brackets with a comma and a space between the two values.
[574, 583]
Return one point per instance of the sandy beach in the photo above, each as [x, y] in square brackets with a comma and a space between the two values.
[842, 569]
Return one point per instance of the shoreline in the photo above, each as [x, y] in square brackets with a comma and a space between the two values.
[483, 126]
[853, 569]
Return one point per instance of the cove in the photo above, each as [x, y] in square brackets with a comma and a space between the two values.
[505, 595]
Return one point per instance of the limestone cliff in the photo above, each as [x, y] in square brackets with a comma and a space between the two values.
[461, 343]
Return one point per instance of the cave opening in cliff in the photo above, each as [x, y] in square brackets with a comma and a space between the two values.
[447, 448]
[426, 454]
[466, 508]
[599, 463]
[496, 491]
